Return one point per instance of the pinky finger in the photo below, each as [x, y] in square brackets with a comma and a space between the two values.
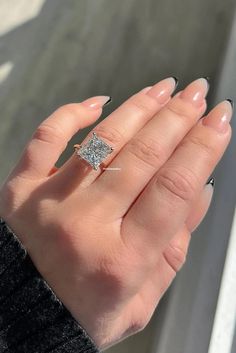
[176, 251]
[173, 256]
[201, 206]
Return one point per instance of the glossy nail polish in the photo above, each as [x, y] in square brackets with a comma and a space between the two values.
[211, 182]
[108, 102]
[96, 102]
[220, 117]
[208, 80]
[176, 81]
[162, 90]
[196, 92]
[209, 190]
[231, 102]
[202, 206]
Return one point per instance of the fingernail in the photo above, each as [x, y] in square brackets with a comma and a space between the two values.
[202, 206]
[209, 190]
[108, 102]
[220, 117]
[231, 102]
[97, 102]
[208, 80]
[162, 90]
[196, 92]
[211, 182]
[176, 81]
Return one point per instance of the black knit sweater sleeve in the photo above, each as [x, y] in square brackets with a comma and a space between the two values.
[32, 318]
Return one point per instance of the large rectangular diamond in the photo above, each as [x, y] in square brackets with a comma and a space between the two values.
[94, 151]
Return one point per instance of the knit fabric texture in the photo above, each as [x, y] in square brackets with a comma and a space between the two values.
[32, 318]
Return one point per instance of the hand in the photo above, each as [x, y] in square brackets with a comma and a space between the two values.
[109, 242]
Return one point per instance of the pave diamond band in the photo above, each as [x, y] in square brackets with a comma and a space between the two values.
[94, 151]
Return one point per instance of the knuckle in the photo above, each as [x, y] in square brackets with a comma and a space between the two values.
[69, 109]
[144, 104]
[29, 154]
[150, 152]
[199, 142]
[180, 182]
[180, 110]
[175, 257]
[116, 269]
[109, 134]
[65, 229]
[112, 275]
[138, 324]
[49, 133]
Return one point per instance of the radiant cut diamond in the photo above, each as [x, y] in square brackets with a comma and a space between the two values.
[94, 151]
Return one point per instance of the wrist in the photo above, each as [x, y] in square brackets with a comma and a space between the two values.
[32, 317]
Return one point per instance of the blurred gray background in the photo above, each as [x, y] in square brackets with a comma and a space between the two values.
[53, 52]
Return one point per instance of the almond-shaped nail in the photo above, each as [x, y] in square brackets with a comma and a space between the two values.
[208, 191]
[201, 206]
[163, 90]
[220, 117]
[211, 182]
[196, 91]
[96, 102]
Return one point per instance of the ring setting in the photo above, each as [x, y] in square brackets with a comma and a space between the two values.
[94, 151]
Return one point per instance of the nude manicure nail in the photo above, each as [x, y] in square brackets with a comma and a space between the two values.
[220, 117]
[196, 92]
[96, 102]
[209, 190]
[162, 90]
[210, 182]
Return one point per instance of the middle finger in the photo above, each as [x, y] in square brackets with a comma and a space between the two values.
[117, 129]
[149, 149]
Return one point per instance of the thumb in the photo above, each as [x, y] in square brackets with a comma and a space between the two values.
[201, 206]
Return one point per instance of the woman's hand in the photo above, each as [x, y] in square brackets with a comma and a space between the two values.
[109, 242]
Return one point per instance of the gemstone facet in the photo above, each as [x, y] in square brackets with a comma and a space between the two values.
[94, 151]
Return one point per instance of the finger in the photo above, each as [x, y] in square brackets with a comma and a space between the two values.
[52, 135]
[174, 255]
[201, 206]
[178, 183]
[149, 149]
[152, 287]
[53, 170]
[118, 128]
[144, 303]
[173, 258]
[176, 251]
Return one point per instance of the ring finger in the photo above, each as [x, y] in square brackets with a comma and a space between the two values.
[177, 184]
[149, 149]
[117, 129]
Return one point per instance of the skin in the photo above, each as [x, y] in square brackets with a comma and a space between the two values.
[110, 242]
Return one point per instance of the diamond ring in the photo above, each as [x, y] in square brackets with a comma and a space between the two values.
[94, 151]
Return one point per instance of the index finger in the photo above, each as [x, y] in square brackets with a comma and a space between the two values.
[52, 135]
